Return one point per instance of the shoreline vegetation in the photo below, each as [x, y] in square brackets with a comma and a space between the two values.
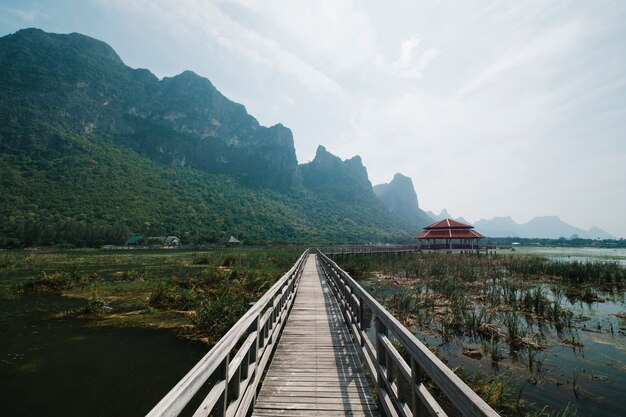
[199, 294]
[506, 310]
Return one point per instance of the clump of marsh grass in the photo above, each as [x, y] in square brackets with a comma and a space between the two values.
[56, 282]
[568, 411]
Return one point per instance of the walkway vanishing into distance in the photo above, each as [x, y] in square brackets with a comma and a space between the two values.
[304, 349]
[316, 369]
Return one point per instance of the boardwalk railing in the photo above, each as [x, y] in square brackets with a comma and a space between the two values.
[341, 250]
[232, 379]
[338, 250]
[396, 359]
[456, 246]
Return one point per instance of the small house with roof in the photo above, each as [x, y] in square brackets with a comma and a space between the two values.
[233, 241]
[449, 235]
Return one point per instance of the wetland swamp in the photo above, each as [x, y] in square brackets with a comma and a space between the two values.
[95, 333]
[88, 332]
[533, 333]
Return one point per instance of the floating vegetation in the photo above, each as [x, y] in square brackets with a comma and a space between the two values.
[201, 293]
[513, 311]
[56, 282]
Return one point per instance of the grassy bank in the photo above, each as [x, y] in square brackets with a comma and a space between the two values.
[200, 293]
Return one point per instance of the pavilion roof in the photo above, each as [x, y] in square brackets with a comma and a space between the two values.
[449, 234]
[449, 229]
[448, 224]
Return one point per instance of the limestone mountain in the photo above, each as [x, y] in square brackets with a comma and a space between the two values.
[74, 83]
[92, 150]
[344, 180]
[400, 198]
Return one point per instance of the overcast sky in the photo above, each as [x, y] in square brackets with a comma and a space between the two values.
[493, 108]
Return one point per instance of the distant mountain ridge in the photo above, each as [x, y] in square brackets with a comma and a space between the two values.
[399, 196]
[92, 150]
[549, 227]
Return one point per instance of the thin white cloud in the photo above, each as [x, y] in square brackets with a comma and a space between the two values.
[546, 46]
[336, 34]
[194, 18]
[411, 62]
[25, 15]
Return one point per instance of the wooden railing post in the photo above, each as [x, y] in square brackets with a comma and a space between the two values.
[381, 355]
[416, 378]
[361, 327]
[225, 376]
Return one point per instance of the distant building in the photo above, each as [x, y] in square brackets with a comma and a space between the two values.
[172, 241]
[134, 240]
[233, 241]
[448, 235]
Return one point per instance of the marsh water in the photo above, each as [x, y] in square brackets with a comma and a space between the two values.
[589, 373]
[68, 367]
[591, 376]
[582, 254]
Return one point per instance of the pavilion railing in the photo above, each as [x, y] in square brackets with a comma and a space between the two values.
[337, 250]
[355, 249]
[460, 246]
[400, 364]
[233, 368]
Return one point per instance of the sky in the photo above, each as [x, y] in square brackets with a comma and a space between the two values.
[493, 108]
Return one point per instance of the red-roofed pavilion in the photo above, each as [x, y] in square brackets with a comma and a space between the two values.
[449, 234]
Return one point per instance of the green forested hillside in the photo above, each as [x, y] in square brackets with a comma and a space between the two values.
[89, 194]
[92, 151]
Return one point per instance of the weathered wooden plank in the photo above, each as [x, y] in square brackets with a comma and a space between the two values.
[354, 405]
[316, 370]
[353, 400]
[307, 413]
[297, 388]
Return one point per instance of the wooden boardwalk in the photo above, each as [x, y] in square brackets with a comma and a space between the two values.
[316, 369]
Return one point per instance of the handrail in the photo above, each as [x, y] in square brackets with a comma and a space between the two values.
[368, 249]
[233, 380]
[393, 374]
[352, 249]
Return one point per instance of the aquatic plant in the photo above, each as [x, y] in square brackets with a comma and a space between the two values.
[497, 390]
[515, 329]
[569, 411]
[575, 376]
[56, 282]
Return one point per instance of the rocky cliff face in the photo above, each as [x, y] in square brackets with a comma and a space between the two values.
[62, 83]
[400, 198]
[344, 180]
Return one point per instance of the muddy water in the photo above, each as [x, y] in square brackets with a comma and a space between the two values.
[66, 367]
